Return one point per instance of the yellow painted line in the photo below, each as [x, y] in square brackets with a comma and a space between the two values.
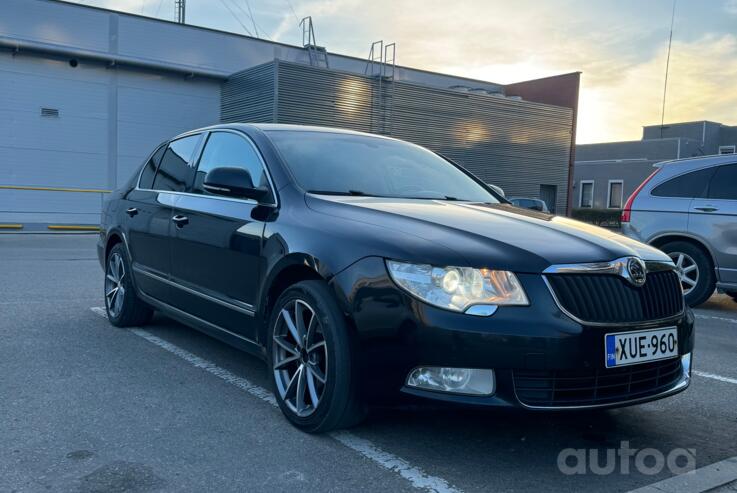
[53, 189]
[11, 226]
[71, 227]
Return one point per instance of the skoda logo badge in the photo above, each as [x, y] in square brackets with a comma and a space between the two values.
[636, 272]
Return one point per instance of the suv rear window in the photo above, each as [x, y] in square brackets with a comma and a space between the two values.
[689, 185]
[724, 183]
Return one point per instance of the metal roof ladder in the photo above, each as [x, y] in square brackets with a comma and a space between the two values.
[318, 55]
[381, 65]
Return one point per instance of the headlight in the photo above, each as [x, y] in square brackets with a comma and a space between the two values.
[458, 288]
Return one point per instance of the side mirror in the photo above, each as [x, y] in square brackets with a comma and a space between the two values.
[233, 182]
[496, 188]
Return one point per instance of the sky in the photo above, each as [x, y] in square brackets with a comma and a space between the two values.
[619, 46]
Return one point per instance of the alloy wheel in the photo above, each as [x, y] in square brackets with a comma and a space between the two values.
[687, 269]
[114, 289]
[300, 357]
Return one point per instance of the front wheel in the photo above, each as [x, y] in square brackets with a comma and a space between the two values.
[312, 360]
[733, 294]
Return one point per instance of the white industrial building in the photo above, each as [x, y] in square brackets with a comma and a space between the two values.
[87, 92]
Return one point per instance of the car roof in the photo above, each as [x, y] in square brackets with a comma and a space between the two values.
[698, 161]
[282, 126]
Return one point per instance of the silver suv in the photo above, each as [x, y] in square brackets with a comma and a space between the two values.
[688, 209]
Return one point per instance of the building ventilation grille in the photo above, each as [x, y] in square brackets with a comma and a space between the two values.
[50, 112]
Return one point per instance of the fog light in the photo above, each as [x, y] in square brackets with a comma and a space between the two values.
[453, 380]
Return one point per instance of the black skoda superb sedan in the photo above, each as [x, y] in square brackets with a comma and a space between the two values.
[360, 266]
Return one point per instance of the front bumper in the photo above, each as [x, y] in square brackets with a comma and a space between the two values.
[397, 333]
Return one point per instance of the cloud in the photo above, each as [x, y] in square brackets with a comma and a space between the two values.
[730, 6]
[700, 87]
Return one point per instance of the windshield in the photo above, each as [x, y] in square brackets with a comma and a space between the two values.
[347, 164]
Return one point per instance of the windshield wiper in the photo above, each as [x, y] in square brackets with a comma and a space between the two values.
[355, 193]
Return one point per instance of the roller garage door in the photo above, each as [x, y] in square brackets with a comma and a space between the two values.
[71, 131]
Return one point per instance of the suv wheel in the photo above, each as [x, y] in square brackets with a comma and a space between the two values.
[312, 360]
[694, 269]
[733, 294]
[124, 307]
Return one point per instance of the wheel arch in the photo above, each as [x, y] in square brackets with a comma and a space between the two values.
[113, 239]
[665, 238]
[289, 271]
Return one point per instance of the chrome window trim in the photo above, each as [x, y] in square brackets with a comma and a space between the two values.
[613, 267]
[198, 154]
[245, 308]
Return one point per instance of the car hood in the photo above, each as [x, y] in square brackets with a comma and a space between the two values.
[489, 235]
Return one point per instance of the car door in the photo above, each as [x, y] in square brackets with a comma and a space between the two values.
[147, 230]
[149, 208]
[216, 246]
[714, 218]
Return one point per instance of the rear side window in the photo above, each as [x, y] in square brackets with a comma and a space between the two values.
[724, 183]
[690, 185]
[149, 169]
[174, 171]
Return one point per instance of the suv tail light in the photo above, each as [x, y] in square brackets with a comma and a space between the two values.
[627, 211]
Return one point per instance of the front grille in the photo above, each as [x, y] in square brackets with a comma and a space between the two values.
[568, 388]
[604, 298]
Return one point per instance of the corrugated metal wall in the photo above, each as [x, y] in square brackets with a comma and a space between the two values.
[248, 96]
[518, 145]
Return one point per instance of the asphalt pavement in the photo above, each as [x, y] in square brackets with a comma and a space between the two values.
[88, 407]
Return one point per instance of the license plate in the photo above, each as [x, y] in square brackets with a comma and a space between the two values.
[631, 348]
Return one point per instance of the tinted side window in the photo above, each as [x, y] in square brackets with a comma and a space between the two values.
[149, 169]
[690, 185]
[174, 171]
[724, 183]
[227, 150]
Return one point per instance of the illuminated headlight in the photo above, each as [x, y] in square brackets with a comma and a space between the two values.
[459, 288]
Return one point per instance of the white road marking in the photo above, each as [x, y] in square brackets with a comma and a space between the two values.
[703, 479]
[721, 319]
[416, 476]
[715, 377]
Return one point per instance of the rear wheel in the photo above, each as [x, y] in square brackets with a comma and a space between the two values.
[124, 307]
[312, 360]
[733, 294]
[694, 270]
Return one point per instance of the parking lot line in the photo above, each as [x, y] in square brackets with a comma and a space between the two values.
[706, 478]
[714, 317]
[416, 476]
[715, 377]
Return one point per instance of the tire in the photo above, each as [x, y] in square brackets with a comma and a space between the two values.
[321, 368]
[123, 306]
[689, 255]
[733, 294]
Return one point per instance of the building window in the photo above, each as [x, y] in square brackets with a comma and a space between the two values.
[727, 149]
[614, 195]
[586, 199]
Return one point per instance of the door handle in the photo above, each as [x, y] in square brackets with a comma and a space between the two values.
[180, 220]
[706, 209]
[131, 211]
